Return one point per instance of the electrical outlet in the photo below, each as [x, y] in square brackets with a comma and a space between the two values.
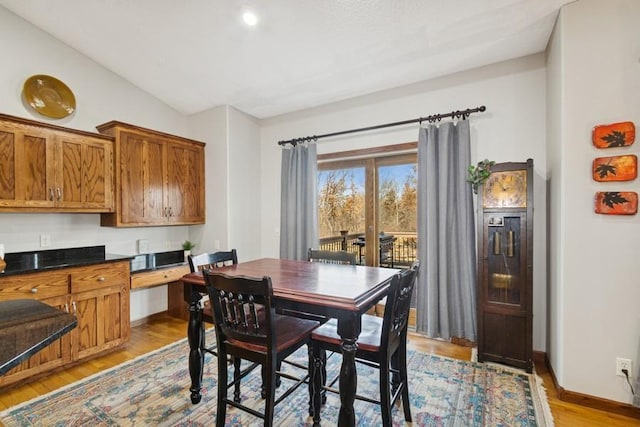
[143, 246]
[45, 240]
[621, 364]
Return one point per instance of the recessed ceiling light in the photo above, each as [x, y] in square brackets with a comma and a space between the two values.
[250, 18]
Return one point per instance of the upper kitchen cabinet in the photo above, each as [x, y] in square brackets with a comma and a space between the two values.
[48, 168]
[159, 178]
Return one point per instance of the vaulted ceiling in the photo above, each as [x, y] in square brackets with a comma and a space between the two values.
[198, 54]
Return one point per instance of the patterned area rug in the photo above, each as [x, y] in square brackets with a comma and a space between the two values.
[154, 390]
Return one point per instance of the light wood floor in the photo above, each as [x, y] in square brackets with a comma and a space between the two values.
[162, 330]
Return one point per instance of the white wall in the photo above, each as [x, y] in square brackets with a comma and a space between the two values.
[512, 129]
[554, 199]
[212, 126]
[594, 67]
[244, 185]
[101, 96]
[232, 163]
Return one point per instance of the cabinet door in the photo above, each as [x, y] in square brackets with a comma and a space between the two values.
[55, 355]
[185, 177]
[103, 319]
[159, 178]
[26, 166]
[142, 179]
[84, 173]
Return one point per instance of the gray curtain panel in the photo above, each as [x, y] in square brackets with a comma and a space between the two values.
[446, 288]
[298, 205]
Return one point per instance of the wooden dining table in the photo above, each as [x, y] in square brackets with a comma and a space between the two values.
[343, 292]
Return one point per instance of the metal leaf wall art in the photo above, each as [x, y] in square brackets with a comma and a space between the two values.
[622, 134]
[616, 202]
[615, 168]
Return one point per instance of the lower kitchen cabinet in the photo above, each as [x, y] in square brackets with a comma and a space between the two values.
[103, 320]
[98, 295]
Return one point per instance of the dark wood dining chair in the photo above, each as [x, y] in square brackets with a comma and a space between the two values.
[382, 344]
[259, 336]
[327, 257]
[331, 257]
[212, 260]
[206, 261]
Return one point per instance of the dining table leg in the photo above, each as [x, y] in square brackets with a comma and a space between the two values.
[195, 333]
[349, 330]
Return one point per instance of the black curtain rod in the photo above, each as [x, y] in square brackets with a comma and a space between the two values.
[463, 114]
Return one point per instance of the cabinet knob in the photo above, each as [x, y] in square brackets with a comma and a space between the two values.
[51, 194]
[75, 308]
[100, 279]
[59, 192]
[34, 290]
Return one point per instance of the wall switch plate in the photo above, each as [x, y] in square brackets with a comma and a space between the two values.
[143, 246]
[621, 364]
[45, 240]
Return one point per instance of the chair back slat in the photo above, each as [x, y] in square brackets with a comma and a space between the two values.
[398, 306]
[224, 305]
[242, 316]
[253, 312]
[235, 305]
[208, 261]
[331, 257]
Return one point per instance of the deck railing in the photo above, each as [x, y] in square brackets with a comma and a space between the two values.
[344, 242]
[405, 249]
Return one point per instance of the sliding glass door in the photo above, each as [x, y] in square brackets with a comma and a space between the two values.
[397, 211]
[368, 206]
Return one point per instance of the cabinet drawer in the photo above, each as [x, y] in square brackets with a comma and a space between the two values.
[158, 277]
[99, 276]
[37, 286]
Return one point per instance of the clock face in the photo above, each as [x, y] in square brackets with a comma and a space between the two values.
[506, 189]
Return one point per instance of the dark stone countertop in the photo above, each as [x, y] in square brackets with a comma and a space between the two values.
[38, 261]
[26, 327]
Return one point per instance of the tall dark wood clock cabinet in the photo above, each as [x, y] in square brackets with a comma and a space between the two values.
[505, 265]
